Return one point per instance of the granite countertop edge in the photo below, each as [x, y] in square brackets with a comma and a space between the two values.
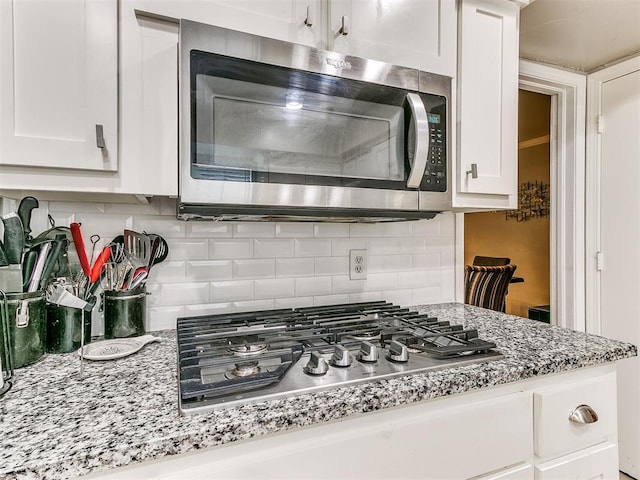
[158, 431]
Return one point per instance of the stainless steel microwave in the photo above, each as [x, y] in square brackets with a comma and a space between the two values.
[271, 130]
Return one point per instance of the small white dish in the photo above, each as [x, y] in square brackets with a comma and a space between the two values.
[116, 348]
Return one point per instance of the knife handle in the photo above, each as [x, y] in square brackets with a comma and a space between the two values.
[76, 234]
[25, 208]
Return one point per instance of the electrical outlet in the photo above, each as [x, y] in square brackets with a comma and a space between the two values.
[357, 264]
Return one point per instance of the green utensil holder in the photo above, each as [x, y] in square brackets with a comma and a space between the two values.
[64, 328]
[26, 313]
[125, 312]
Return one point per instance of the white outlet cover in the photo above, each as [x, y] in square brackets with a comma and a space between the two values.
[358, 264]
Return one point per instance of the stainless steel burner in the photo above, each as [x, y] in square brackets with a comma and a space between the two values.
[367, 336]
[244, 350]
[245, 369]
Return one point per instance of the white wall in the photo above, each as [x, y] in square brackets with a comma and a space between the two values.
[218, 267]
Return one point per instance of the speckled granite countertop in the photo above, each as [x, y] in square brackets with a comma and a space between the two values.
[55, 424]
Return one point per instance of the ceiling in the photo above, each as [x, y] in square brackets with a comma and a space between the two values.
[582, 35]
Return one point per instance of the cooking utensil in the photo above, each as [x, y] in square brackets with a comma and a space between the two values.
[25, 208]
[103, 258]
[76, 234]
[58, 246]
[13, 238]
[4, 261]
[28, 264]
[159, 250]
[34, 284]
[137, 248]
[116, 348]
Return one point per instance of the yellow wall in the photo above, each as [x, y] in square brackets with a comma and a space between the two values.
[526, 243]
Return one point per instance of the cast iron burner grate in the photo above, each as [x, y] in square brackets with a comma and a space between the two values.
[231, 359]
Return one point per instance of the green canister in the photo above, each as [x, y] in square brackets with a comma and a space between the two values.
[125, 312]
[27, 327]
[64, 328]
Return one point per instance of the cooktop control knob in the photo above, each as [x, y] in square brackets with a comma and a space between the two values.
[316, 365]
[398, 352]
[368, 352]
[341, 357]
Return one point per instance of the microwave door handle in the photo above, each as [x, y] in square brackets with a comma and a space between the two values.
[421, 135]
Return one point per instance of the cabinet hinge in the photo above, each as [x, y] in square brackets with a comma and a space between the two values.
[600, 121]
[599, 261]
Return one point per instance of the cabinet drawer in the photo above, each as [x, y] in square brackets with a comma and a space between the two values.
[521, 472]
[555, 434]
[599, 462]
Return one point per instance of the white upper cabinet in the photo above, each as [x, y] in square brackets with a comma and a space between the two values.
[298, 21]
[487, 148]
[412, 33]
[58, 84]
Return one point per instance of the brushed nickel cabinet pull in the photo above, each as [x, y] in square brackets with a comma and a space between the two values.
[344, 30]
[308, 21]
[100, 136]
[583, 414]
[473, 171]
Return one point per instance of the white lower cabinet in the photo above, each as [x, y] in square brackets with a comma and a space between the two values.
[599, 462]
[486, 435]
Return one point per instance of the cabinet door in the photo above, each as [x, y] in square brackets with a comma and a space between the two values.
[488, 97]
[599, 462]
[58, 83]
[297, 21]
[412, 33]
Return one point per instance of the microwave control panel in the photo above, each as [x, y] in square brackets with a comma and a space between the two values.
[436, 172]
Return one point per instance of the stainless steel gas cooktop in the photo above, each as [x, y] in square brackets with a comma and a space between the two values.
[232, 359]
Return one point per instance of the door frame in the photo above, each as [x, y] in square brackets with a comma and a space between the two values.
[595, 82]
[567, 90]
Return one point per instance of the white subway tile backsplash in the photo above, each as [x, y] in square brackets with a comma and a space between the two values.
[209, 270]
[397, 229]
[169, 272]
[107, 226]
[294, 230]
[412, 245]
[167, 226]
[189, 249]
[399, 297]
[253, 305]
[183, 293]
[365, 230]
[331, 230]
[245, 269]
[219, 267]
[396, 263]
[418, 279]
[366, 297]
[209, 230]
[274, 288]
[312, 247]
[382, 281]
[382, 246]
[294, 267]
[293, 302]
[330, 299]
[427, 228]
[340, 246]
[312, 286]
[230, 291]
[332, 265]
[72, 207]
[207, 309]
[426, 261]
[426, 295]
[231, 249]
[163, 318]
[343, 284]
[273, 248]
[254, 230]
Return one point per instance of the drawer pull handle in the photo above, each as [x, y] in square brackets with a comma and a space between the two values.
[583, 414]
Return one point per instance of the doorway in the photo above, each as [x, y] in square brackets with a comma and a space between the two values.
[522, 235]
